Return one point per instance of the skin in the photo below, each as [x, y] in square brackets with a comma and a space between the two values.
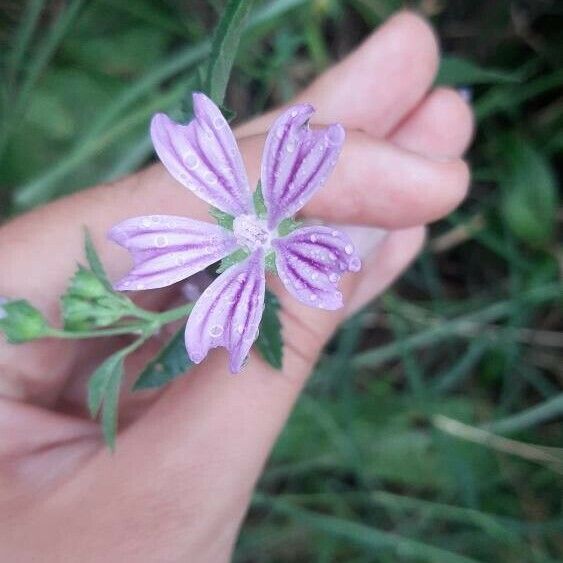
[188, 457]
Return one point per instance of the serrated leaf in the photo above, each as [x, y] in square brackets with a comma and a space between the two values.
[259, 203]
[223, 219]
[269, 341]
[171, 362]
[94, 260]
[232, 259]
[456, 71]
[100, 381]
[529, 195]
[224, 47]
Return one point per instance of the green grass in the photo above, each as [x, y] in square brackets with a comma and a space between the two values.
[429, 431]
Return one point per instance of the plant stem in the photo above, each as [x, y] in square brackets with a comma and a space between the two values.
[152, 323]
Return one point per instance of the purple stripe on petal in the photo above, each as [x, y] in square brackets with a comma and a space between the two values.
[228, 312]
[167, 249]
[311, 261]
[203, 156]
[296, 161]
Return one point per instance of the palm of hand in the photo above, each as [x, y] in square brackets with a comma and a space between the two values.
[188, 458]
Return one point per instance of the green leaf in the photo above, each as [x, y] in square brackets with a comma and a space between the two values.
[269, 340]
[103, 392]
[21, 322]
[110, 406]
[94, 260]
[169, 363]
[259, 203]
[232, 259]
[223, 219]
[271, 262]
[529, 192]
[100, 380]
[288, 226]
[224, 47]
[455, 71]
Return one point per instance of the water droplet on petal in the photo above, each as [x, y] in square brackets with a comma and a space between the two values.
[240, 329]
[333, 277]
[355, 264]
[348, 249]
[161, 241]
[294, 113]
[146, 222]
[335, 233]
[191, 161]
[211, 178]
[313, 297]
[219, 122]
[290, 147]
[215, 331]
[313, 238]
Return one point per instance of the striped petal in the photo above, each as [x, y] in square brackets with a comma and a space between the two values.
[204, 156]
[296, 161]
[310, 262]
[167, 249]
[228, 312]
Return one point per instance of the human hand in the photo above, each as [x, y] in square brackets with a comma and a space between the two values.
[188, 458]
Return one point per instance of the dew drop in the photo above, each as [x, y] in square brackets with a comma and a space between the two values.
[211, 178]
[335, 233]
[146, 222]
[240, 329]
[219, 123]
[191, 161]
[333, 277]
[290, 147]
[313, 238]
[160, 241]
[294, 113]
[314, 276]
[348, 249]
[313, 297]
[215, 331]
[355, 264]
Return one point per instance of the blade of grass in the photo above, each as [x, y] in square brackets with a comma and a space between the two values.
[552, 408]
[360, 534]
[457, 326]
[224, 47]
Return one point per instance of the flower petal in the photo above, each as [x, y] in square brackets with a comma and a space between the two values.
[167, 249]
[310, 262]
[228, 313]
[296, 161]
[204, 156]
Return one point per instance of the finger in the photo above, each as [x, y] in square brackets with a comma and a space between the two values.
[376, 86]
[441, 126]
[384, 264]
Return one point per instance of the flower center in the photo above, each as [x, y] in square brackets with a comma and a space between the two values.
[252, 232]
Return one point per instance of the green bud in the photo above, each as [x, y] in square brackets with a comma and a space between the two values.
[87, 285]
[21, 322]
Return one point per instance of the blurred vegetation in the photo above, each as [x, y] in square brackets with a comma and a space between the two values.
[431, 428]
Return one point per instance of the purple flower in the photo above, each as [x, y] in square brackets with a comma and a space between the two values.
[204, 157]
